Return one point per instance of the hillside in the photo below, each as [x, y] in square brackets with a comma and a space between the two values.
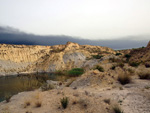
[15, 59]
[112, 83]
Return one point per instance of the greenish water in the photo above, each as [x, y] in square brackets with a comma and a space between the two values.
[11, 85]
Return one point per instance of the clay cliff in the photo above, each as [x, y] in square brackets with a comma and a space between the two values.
[16, 59]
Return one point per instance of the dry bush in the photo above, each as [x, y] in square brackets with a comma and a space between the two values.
[38, 104]
[27, 103]
[144, 74]
[147, 64]
[131, 70]
[124, 78]
[107, 101]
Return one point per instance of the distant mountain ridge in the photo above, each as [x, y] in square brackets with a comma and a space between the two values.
[9, 35]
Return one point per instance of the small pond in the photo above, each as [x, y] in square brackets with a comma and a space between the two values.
[10, 85]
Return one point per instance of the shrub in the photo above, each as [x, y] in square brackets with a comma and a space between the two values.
[64, 102]
[127, 56]
[75, 72]
[134, 64]
[117, 54]
[121, 65]
[97, 56]
[144, 75]
[100, 68]
[130, 70]
[113, 67]
[117, 109]
[147, 65]
[38, 104]
[124, 79]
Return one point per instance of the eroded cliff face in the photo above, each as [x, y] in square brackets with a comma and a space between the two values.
[15, 59]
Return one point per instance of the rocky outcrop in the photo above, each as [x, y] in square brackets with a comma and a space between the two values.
[15, 59]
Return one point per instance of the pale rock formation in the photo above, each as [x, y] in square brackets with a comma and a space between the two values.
[16, 59]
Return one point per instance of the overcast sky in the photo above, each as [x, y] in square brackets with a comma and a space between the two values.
[91, 19]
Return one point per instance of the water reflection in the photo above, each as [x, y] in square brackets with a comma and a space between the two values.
[14, 84]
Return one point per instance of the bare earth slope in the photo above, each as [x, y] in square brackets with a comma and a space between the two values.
[16, 59]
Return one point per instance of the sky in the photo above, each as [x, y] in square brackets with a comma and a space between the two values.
[88, 19]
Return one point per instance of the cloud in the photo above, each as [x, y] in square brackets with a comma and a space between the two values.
[10, 35]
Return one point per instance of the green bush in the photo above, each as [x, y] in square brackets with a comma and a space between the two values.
[64, 102]
[127, 56]
[75, 72]
[97, 56]
[134, 64]
[100, 68]
[117, 54]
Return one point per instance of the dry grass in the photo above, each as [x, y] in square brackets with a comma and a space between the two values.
[144, 74]
[38, 104]
[124, 78]
[27, 103]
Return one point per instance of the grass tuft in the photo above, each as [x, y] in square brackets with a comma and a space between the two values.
[124, 79]
[64, 102]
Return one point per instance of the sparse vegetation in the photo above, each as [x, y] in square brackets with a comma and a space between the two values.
[113, 67]
[113, 59]
[124, 79]
[121, 65]
[117, 54]
[130, 70]
[147, 65]
[127, 56]
[97, 56]
[144, 75]
[27, 103]
[107, 101]
[117, 109]
[64, 102]
[134, 64]
[75, 72]
[100, 68]
[59, 72]
[38, 104]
